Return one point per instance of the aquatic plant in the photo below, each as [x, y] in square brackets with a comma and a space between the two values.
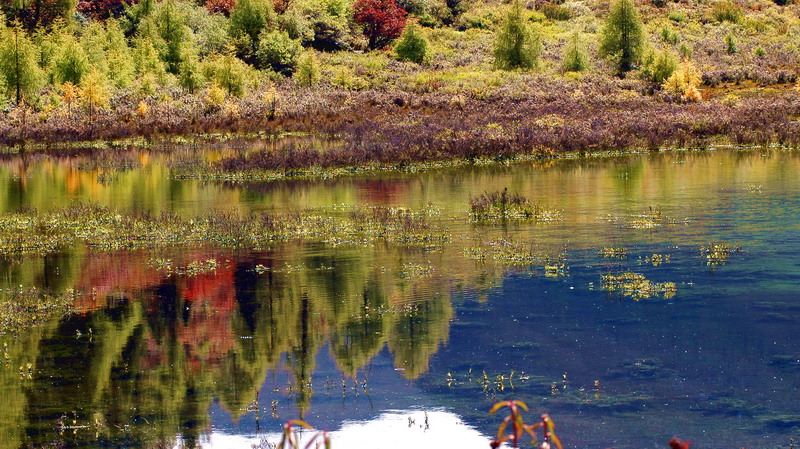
[504, 250]
[21, 308]
[291, 438]
[102, 228]
[614, 252]
[192, 269]
[519, 428]
[717, 253]
[502, 205]
[636, 285]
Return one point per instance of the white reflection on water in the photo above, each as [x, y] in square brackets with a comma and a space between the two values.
[400, 429]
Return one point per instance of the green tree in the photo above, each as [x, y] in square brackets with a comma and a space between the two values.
[575, 58]
[147, 60]
[413, 46]
[136, 14]
[172, 29]
[307, 70]
[119, 55]
[71, 63]
[191, 75]
[323, 24]
[18, 56]
[279, 51]
[228, 72]
[517, 45]
[248, 20]
[622, 37]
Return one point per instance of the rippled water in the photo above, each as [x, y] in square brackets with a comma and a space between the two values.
[368, 341]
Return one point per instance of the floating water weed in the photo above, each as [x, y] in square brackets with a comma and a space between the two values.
[653, 218]
[21, 308]
[658, 259]
[636, 286]
[504, 250]
[194, 268]
[718, 253]
[613, 252]
[414, 270]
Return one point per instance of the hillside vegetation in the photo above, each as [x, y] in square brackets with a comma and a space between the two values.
[518, 76]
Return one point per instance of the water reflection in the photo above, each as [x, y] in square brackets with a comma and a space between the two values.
[347, 335]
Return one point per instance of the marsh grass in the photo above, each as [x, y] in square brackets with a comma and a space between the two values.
[501, 205]
[101, 228]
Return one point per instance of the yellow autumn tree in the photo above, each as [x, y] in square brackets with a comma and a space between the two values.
[94, 91]
[685, 81]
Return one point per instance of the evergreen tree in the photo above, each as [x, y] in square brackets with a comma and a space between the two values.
[575, 58]
[413, 46]
[147, 60]
[191, 76]
[93, 42]
[71, 63]
[622, 37]
[307, 70]
[18, 63]
[136, 14]
[119, 55]
[172, 29]
[248, 20]
[517, 45]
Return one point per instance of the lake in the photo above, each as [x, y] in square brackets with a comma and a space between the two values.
[661, 302]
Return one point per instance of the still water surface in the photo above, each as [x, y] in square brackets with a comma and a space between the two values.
[391, 347]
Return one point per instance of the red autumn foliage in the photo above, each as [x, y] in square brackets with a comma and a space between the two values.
[383, 20]
[220, 6]
[33, 14]
[102, 9]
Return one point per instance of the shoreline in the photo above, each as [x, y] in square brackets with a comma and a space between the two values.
[543, 116]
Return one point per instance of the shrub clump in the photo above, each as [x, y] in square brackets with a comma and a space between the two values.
[658, 66]
[502, 206]
[413, 46]
[684, 82]
[727, 11]
[279, 52]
